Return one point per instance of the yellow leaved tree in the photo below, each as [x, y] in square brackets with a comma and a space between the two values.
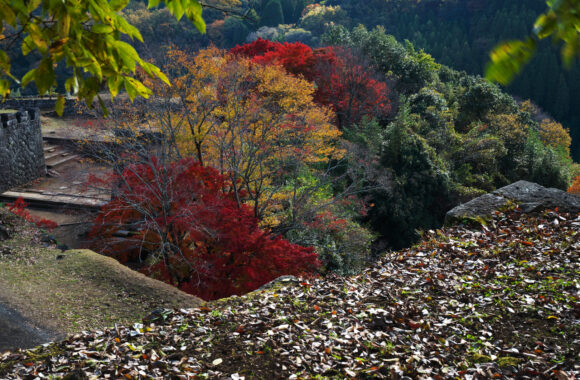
[553, 134]
[256, 124]
[90, 37]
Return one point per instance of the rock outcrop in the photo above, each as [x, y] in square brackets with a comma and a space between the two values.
[529, 196]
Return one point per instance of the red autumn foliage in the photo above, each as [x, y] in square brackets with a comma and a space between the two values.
[19, 208]
[342, 80]
[256, 48]
[327, 221]
[203, 242]
[297, 59]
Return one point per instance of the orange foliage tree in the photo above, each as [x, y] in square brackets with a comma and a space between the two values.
[575, 187]
[278, 152]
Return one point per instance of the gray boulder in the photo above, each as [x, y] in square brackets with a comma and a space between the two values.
[530, 197]
[533, 197]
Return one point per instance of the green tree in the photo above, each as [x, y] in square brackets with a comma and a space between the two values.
[88, 36]
[273, 14]
[419, 192]
[544, 165]
[289, 10]
[480, 99]
[235, 30]
[561, 100]
[412, 69]
[300, 5]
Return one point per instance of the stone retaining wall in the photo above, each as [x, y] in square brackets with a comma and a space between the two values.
[44, 104]
[21, 149]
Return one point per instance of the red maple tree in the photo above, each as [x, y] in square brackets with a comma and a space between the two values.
[343, 81]
[183, 218]
[257, 48]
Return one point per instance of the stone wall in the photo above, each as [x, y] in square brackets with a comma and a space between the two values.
[45, 104]
[21, 149]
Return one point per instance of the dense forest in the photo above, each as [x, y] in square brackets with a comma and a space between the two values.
[317, 159]
[459, 34]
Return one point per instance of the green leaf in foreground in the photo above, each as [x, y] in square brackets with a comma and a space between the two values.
[89, 37]
[59, 108]
[561, 21]
[508, 60]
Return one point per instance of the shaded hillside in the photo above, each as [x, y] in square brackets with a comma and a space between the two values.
[498, 301]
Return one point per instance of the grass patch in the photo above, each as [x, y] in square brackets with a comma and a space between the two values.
[78, 289]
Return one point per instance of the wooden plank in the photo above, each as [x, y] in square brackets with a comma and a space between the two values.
[52, 165]
[53, 155]
[54, 200]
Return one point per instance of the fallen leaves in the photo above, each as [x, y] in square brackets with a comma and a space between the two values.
[463, 303]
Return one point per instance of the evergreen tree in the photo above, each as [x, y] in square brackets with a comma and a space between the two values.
[561, 99]
[235, 30]
[289, 11]
[300, 5]
[419, 195]
[273, 14]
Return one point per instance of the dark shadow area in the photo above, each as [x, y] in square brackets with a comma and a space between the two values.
[16, 332]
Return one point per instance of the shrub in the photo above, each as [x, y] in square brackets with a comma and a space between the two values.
[343, 246]
[575, 187]
[18, 207]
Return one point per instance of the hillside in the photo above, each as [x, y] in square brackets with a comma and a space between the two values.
[273, 192]
[461, 34]
[495, 301]
[426, 135]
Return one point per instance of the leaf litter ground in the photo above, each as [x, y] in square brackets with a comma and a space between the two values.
[498, 301]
